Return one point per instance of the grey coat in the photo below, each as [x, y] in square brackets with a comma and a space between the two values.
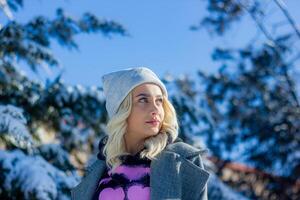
[177, 173]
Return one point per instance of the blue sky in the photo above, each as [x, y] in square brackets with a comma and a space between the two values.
[160, 37]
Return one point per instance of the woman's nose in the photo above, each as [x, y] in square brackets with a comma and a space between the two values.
[153, 113]
[154, 109]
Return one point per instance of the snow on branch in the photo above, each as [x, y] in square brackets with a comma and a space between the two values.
[31, 177]
[13, 127]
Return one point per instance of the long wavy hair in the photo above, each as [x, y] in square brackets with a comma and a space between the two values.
[117, 125]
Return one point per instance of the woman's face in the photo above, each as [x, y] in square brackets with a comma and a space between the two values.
[147, 107]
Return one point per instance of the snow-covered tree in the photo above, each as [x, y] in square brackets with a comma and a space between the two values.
[47, 131]
[54, 127]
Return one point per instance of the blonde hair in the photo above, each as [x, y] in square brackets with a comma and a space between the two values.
[117, 125]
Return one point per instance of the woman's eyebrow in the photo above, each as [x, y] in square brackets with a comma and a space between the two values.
[147, 95]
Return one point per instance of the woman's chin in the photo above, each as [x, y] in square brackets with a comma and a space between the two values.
[152, 132]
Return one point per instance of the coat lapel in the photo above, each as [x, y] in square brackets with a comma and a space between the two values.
[194, 180]
[88, 185]
[165, 179]
[175, 177]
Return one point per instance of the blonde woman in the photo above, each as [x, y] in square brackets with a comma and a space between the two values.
[142, 157]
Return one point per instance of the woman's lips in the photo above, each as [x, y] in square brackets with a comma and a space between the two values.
[153, 123]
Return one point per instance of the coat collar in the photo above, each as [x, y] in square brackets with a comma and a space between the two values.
[181, 177]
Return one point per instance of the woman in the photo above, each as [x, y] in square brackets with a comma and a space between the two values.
[141, 157]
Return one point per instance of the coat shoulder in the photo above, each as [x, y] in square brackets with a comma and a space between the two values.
[185, 150]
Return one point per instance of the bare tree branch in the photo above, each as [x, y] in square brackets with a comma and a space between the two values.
[283, 8]
[276, 47]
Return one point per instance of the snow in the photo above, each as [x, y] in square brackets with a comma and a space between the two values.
[34, 177]
[13, 126]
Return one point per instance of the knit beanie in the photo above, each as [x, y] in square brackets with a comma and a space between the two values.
[117, 85]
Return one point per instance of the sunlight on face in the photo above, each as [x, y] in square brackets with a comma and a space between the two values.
[147, 106]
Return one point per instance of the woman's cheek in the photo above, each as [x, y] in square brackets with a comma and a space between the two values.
[162, 111]
[142, 106]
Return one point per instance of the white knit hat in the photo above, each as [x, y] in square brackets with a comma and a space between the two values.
[117, 85]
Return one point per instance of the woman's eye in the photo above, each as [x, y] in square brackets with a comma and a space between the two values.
[142, 99]
[160, 100]
[146, 100]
